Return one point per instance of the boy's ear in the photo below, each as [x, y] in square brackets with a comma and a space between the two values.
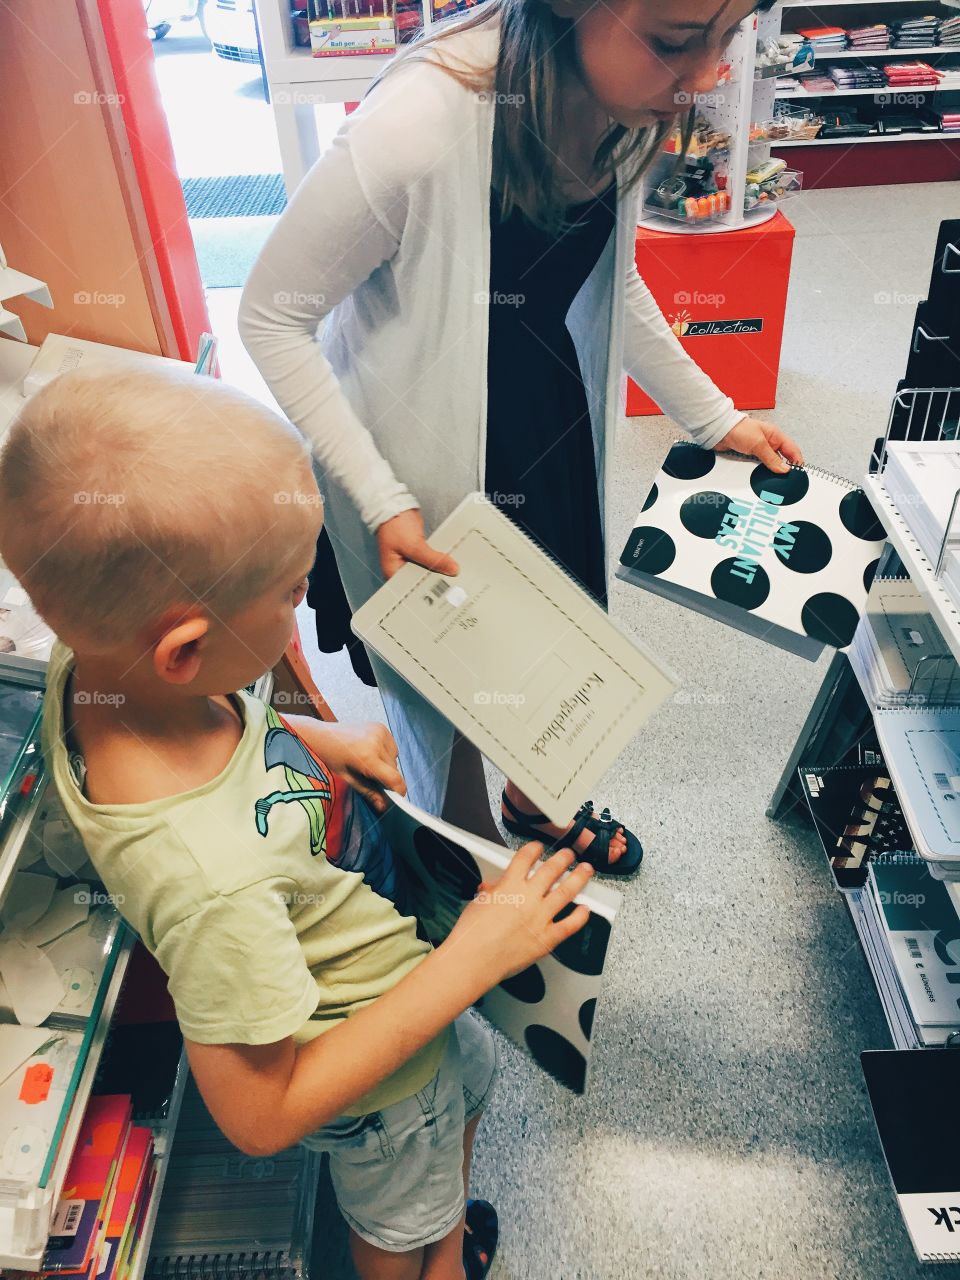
[177, 654]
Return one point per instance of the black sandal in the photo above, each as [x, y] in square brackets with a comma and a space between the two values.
[597, 853]
[481, 1232]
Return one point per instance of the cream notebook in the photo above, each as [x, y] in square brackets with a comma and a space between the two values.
[517, 656]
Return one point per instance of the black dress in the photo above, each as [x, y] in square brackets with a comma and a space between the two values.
[540, 466]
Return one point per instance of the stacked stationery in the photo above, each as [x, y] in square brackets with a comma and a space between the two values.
[899, 651]
[857, 77]
[921, 747]
[549, 1008]
[948, 32]
[913, 33]
[875, 36]
[88, 1191]
[553, 697]
[922, 478]
[912, 1094]
[857, 816]
[912, 75]
[788, 558]
[825, 39]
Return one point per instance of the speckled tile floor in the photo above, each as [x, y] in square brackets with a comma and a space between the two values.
[727, 1132]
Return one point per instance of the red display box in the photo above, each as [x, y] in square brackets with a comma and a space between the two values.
[724, 294]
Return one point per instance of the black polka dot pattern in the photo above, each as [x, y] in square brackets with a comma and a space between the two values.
[585, 951]
[651, 498]
[789, 486]
[557, 1055]
[857, 516]
[527, 985]
[689, 462]
[585, 1017]
[803, 547]
[869, 573]
[702, 513]
[649, 550]
[830, 618]
[729, 584]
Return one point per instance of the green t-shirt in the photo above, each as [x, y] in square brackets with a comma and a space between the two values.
[267, 895]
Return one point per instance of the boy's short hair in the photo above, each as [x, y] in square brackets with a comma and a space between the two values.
[125, 494]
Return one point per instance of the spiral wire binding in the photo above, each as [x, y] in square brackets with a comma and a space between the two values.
[269, 1265]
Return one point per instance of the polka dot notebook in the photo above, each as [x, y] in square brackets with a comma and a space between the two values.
[548, 1008]
[787, 558]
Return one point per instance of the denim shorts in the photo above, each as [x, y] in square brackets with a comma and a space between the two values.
[398, 1173]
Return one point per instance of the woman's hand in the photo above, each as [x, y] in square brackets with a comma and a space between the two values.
[762, 440]
[364, 755]
[402, 539]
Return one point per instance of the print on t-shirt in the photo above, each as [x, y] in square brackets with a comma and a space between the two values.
[342, 826]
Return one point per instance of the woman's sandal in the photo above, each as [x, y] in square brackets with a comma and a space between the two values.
[597, 852]
[480, 1234]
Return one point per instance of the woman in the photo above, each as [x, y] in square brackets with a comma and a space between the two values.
[469, 239]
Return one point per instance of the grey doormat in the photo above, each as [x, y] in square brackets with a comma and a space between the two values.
[242, 195]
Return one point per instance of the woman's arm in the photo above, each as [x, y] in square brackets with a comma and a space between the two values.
[327, 243]
[656, 361]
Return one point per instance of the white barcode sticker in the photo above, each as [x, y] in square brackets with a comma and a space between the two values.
[66, 1220]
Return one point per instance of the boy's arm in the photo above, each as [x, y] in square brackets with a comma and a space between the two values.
[267, 1097]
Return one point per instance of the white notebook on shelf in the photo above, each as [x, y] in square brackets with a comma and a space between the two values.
[517, 656]
[921, 747]
[786, 558]
[59, 354]
[923, 477]
[901, 647]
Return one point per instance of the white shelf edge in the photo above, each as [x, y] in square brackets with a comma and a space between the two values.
[166, 1129]
[303, 68]
[867, 55]
[20, 829]
[888, 90]
[870, 137]
[944, 611]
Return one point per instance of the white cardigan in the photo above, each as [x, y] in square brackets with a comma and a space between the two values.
[387, 242]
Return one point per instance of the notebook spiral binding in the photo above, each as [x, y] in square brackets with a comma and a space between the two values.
[941, 1257]
[813, 471]
[273, 1264]
[897, 858]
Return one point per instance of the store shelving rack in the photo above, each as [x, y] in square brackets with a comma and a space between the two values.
[299, 83]
[842, 713]
[822, 12]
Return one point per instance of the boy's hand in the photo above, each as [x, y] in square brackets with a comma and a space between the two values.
[511, 924]
[364, 755]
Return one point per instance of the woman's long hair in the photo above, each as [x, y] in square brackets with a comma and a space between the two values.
[536, 49]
